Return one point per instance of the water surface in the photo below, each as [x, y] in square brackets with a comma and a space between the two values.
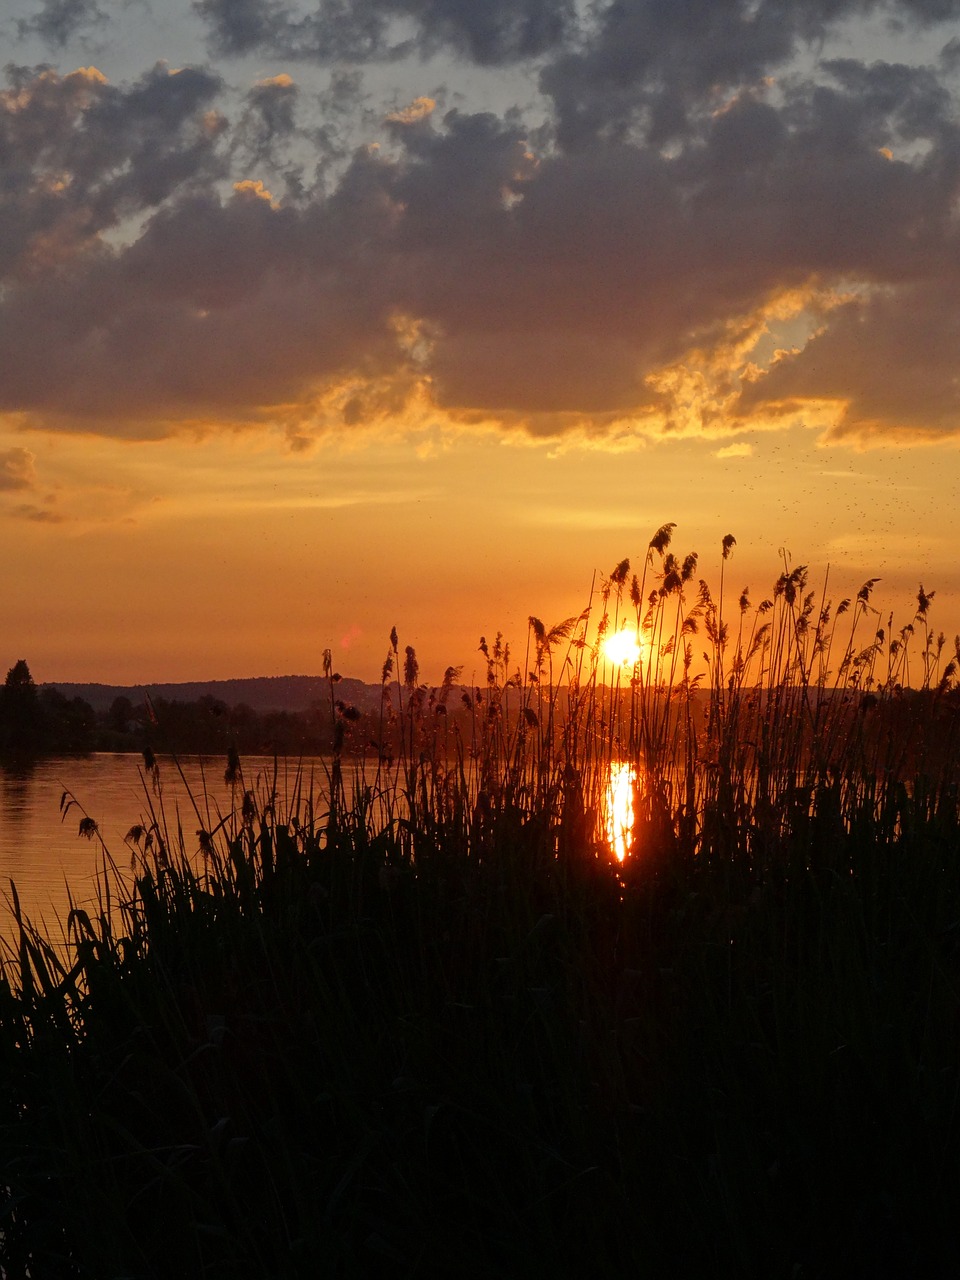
[41, 850]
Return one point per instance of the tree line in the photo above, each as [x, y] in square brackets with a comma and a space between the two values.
[43, 721]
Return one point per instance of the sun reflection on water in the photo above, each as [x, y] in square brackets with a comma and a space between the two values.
[618, 809]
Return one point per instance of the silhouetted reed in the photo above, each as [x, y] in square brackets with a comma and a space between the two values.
[407, 1015]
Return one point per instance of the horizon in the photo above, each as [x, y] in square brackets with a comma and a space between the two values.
[317, 321]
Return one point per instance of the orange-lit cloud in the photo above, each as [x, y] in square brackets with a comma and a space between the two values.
[419, 109]
[17, 470]
[739, 449]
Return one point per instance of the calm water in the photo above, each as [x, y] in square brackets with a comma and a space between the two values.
[42, 853]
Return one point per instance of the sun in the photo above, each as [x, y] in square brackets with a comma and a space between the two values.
[622, 648]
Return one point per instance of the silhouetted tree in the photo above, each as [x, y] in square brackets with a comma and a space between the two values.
[120, 713]
[65, 724]
[20, 725]
[36, 720]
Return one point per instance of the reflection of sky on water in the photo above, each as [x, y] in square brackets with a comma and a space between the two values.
[42, 851]
[618, 809]
[15, 778]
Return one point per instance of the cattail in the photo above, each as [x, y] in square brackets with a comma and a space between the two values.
[661, 539]
[248, 810]
[450, 678]
[619, 575]
[561, 631]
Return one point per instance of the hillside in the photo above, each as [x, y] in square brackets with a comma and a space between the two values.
[261, 693]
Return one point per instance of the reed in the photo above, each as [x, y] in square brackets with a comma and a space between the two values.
[410, 1017]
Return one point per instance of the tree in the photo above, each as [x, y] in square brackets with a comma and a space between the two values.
[20, 718]
[66, 724]
[120, 713]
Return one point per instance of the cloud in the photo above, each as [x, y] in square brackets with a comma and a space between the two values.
[80, 155]
[38, 515]
[604, 62]
[740, 449]
[58, 21]
[18, 475]
[419, 109]
[268, 120]
[154, 276]
[17, 470]
[492, 33]
[883, 365]
[654, 70]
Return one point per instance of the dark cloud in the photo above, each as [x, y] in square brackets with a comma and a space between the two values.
[219, 309]
[494, 275]
[266, 129]
[497, 32]
[292, 143]
[79, 155]
[490, 33]
[652, 69]
[58, 21]
[274, 102]
[625, 54]
[884, 360]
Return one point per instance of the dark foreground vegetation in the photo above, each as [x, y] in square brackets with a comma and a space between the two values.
[427, 1025]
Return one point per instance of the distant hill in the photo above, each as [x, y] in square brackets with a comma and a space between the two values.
[261, 693]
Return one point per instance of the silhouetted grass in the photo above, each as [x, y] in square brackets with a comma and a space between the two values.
[411, 1018]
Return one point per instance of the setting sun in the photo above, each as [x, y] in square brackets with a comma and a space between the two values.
[622, 648]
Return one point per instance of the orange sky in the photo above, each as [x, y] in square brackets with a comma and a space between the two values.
[301, 339]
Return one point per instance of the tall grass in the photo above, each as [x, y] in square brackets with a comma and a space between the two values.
[410, 1017]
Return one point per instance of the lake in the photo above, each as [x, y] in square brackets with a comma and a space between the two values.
[42, 853]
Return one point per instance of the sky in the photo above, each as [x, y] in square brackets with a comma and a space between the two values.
[318, 318]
